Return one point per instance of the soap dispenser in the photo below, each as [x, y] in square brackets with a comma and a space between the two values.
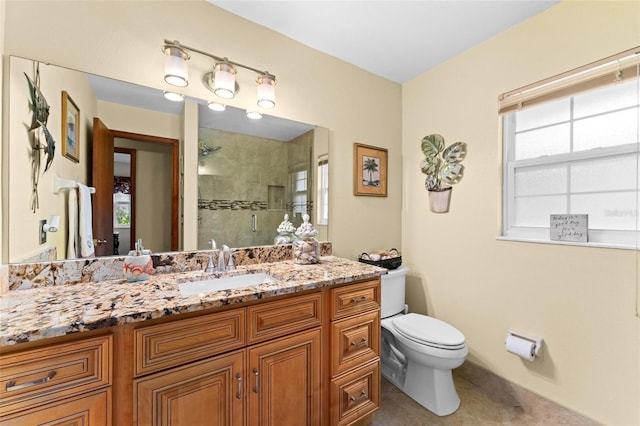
[138, 266]
[306, 248]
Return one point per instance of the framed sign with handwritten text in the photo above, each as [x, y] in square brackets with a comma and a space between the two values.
[569, 227]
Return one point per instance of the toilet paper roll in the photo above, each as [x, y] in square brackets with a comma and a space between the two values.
[522, 347]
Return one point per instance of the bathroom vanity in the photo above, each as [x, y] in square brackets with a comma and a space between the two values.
[303, 349]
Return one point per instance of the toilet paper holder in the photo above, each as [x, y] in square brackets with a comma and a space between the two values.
[537, 341]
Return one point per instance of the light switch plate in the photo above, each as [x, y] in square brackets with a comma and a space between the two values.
[43, 235]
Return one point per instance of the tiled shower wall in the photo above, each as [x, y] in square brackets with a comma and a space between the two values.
[247, 176]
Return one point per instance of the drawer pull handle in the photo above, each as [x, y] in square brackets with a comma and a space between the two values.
[363, 396]
[362, 342]
[239, 393]
[256, 388]
[358, 300]
[11, 384]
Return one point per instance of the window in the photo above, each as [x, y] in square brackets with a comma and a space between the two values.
[121, 210]
[571, 147]
[299, 185]
[323, 190]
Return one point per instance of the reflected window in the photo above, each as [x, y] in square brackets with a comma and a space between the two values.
[299, 185]
[323, 190]
[121, 210]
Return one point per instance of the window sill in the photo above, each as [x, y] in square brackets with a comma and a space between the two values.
[617, 246]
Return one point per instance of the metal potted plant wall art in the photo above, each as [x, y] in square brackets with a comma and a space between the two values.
[443, 169]
[40, 115]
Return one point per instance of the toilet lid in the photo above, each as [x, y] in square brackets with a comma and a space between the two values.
[431, 331]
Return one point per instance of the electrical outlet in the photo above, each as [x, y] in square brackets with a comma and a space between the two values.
[43, 235]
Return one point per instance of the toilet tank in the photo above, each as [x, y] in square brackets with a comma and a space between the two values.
[392, 298]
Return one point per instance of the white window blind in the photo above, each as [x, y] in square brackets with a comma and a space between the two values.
[571, 146]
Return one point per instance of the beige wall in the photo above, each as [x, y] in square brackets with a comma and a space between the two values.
[123, 40]
[580, 300]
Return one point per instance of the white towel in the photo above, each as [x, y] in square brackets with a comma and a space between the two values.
[86, 222]
[72, 245]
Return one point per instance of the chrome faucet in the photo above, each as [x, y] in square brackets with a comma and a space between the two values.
[210, 267]
[221, 252]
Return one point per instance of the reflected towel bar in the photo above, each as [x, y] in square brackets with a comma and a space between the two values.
[60, 184]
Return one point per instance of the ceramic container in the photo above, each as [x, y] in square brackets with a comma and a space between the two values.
[137, 268]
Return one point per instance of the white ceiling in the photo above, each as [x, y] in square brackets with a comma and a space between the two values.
[397, 40]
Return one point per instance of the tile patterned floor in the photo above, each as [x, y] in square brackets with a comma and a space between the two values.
[476, 408]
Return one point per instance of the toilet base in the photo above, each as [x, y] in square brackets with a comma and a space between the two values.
[431, 388]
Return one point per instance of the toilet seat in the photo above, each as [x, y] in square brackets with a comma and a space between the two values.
[429, 331]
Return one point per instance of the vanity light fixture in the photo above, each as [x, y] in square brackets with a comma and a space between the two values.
[266, 91]
[224, 80]
[221, 80]
[176, 69]
[216, 106]
[174, 97]
[254, 115]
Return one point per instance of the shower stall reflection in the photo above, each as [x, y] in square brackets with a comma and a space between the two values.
[246, 184]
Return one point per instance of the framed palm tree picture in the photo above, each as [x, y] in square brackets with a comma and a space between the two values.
[369, 170]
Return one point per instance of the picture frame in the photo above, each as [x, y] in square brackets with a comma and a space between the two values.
[369, 170]
[70, 128]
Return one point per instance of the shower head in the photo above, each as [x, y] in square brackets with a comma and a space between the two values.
[204, 149]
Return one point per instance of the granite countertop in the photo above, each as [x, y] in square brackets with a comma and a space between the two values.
[40, 313]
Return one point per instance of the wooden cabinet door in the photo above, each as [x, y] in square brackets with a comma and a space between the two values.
[284, 381]
[209, 392]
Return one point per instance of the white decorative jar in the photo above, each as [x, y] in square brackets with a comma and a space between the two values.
[306, 248]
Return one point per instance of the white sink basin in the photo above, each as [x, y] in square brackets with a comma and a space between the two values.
[224, 283]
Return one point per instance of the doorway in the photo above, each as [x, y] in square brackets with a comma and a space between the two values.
[156, 180]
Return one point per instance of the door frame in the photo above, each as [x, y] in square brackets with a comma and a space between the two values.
[175, 175]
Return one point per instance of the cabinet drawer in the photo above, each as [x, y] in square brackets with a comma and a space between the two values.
[274, 319]
[38, 376]
[354, 341]
[355, 299]
[87, 410]
[168, 345]
[355, 394]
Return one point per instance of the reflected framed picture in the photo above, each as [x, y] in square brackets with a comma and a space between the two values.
[70, 128]
[369, 170]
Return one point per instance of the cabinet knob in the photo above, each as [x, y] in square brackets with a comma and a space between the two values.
[99, 242]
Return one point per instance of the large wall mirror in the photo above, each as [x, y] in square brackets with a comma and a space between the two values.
[250, 173]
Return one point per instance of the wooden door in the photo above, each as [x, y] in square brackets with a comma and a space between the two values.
[209, 392]
[284, 381]
[102, 181]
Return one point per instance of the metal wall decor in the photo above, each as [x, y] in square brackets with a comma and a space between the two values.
[40, 115]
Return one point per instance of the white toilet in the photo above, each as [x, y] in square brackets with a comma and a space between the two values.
[419, 352]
